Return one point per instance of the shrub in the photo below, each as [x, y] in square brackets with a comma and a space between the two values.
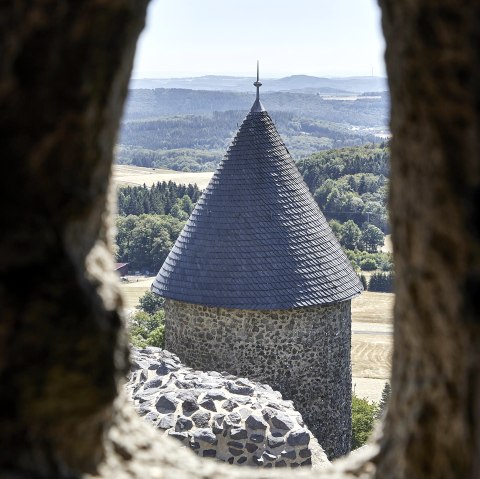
[364, 414]
[147, 326]
[150, 302]
[368, 264]
[381, 282]
[383, 261]
[147, 329]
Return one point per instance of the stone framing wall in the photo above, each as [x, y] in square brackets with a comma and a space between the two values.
[303, 352]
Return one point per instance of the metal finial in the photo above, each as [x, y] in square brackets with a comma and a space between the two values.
[258, 83]
[257, 106]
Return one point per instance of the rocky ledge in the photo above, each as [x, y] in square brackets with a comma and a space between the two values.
[218, 415]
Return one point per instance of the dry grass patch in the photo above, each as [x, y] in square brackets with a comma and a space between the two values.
[134, 289]
[373, 308]
[372, 355]
[126, 175]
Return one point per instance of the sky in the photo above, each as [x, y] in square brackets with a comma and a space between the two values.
[327, 38]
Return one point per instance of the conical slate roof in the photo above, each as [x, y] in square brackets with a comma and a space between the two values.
[256, 238]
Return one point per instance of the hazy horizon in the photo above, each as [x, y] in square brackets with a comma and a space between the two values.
[271, 77]
[188, 38]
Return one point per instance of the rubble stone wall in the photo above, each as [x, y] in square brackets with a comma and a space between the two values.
[219, 415]
[304, 353]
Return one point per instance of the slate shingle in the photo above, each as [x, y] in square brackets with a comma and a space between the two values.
[256, 238]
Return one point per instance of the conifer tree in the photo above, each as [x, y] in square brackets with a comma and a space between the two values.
[382, 405]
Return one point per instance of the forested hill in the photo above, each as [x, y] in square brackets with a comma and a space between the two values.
[350, 183]
[198, 143]
[190, 130]
[366, 111]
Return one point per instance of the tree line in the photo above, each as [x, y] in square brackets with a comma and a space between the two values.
[162, 199]
[144, 241]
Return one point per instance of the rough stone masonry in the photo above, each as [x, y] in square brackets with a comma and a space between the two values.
[219, 415]
[304, 353]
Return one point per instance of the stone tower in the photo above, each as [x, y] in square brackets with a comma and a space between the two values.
[257, 284]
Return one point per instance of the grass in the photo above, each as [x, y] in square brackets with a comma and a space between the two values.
[134, 289]
[372, 307]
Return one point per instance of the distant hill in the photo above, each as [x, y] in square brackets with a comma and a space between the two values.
[189, 129]
[145, 104]
[327, 86]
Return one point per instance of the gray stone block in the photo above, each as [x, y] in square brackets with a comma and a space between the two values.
[166, 422]
[229, 405]
[201, 419]
[258, 438]
[298, 438]
[215, 395]
[275, 442]
[233, 418]
[166, 405]
[205, 435]
[238, 433]
[305, 453]
[153, 384]
[183, 424]
[235, 452]
[240, 389]
[282, 421]
[306, 333]
[256, 422]
[209, 453]
[208, 404]
[251, 447]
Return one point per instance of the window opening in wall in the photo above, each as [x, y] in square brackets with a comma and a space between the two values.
[188, 94]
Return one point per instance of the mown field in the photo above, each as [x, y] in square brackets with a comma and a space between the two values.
[126, 175]
[371, 335]
[372, 339]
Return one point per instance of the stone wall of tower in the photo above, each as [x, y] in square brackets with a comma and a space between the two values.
[303, 352]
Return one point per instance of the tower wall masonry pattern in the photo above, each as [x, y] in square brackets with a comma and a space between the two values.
[302, 352]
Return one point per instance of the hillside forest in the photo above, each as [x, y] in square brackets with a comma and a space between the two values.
[190, 130]
[350, 186]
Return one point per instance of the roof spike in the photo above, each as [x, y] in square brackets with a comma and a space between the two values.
[258, 83]
[257, 106]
